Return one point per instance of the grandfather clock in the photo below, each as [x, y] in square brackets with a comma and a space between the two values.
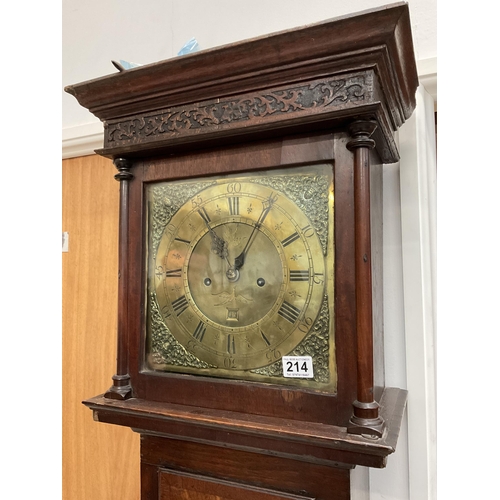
[250, 333]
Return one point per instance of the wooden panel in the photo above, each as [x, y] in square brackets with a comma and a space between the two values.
[99, 461]
[183, 486]
[280, 475]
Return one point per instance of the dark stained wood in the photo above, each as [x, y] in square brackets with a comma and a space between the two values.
[150, 487]
[253, 470]
[174, 484]
[121, 388]
[361, 144]
[234, 395]
[345, 277]
[304, 441]
[366, 417]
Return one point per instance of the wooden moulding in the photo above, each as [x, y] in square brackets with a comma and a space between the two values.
[358, 66]
[121, 388]
[303, 441]
[365, 418]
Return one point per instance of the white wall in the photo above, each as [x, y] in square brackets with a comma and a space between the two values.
[96, 32]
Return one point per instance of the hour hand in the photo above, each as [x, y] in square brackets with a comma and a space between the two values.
[219, 246]
[240, 260]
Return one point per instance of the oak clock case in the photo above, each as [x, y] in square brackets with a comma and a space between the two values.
[239, 274]
[251, 230]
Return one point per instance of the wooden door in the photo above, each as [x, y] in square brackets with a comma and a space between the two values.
[100, 461]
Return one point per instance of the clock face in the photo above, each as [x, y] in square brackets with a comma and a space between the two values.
[240, 274]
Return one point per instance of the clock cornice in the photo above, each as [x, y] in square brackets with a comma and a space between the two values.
[375, 46]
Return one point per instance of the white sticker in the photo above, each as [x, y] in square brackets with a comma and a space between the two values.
[65, 241]
[298, 366]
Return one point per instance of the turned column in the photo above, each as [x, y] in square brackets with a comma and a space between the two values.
[365, 418]
[121, 388]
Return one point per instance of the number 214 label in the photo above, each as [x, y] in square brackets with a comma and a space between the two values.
[298, 366]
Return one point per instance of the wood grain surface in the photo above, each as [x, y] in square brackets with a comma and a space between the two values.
[100, 461]
[185, 486]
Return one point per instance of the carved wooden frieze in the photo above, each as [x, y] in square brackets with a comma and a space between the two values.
[314, 98]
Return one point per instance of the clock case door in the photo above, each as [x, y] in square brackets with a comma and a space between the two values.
[238, 395]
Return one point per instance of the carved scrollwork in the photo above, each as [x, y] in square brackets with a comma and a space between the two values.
[230, 112]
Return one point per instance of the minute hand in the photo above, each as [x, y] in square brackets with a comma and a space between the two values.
[267, 205]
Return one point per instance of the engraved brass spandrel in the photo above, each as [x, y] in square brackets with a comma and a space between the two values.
[310, 193]
[316, 345]
[166, 199]
[166, 350]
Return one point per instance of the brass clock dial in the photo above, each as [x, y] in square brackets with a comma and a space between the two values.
[238, 271]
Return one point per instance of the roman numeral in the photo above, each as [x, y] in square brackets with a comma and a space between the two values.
[232, 314]
[180, 305]
[182, 241]
[200, 331]
[173, 273]
[307, 231]
[266, 340]
[299, 275]
[204, 215]
[234, 205]
[166, 312]
[289, 312]
[290, 239]
[230, 344]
